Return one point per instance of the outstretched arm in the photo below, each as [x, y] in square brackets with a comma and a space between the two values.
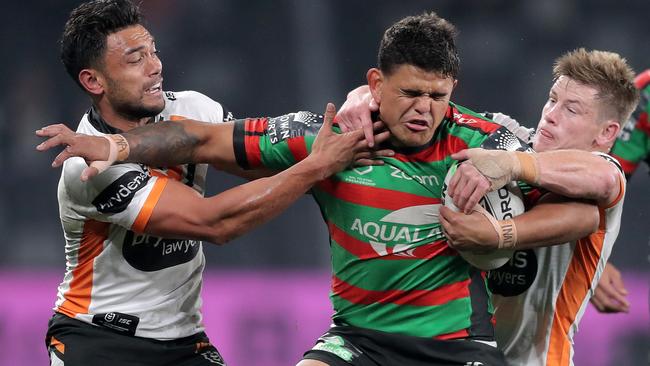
[180, 212]
[165, 143]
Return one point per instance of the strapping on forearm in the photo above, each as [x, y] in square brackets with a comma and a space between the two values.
[528, 167]
[506, 229]
[118, 150]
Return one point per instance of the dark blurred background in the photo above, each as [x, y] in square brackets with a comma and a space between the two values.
[273, 57]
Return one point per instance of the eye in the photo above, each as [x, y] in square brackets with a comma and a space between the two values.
[135, 60]
[410, 93]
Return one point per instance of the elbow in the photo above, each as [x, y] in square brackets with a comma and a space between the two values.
[219, 237]
[223, 233]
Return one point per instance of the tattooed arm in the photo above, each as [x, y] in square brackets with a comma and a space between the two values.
[162, 144]
[180, 211]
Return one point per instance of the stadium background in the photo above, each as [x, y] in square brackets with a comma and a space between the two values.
[266, 293]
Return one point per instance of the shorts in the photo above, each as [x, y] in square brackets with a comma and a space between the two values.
[71, 342]
[346, 345]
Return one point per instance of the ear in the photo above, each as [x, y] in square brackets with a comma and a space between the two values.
[92, 80]
[375, 80]
[608, 133]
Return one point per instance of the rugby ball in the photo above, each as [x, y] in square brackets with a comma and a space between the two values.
[503, 203]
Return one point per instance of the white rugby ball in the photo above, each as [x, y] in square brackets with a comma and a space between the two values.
[504, 203]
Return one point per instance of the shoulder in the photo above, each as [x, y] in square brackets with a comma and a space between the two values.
[115, 177]
[464, 118]
[476, 130]
[615, 163]
[194, 105]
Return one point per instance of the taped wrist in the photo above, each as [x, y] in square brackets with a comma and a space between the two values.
[506, 229]
[118, 149]
[120, 145]
[528, 169]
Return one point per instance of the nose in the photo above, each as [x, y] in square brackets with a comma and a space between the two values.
[422, 104]
[155, 64]
[550, 113]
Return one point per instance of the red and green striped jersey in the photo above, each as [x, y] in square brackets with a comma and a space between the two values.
[633, 143]
[392, 269]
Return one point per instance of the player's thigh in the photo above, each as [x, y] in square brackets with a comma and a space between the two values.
[311, 363]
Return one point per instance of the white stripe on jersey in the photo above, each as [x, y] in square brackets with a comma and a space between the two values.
[536, 327]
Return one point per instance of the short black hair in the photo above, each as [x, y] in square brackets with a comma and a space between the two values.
[84, 36]
[426, 41]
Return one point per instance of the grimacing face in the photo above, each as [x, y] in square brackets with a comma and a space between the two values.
[132, 73]
[412, 102]
[570, 118]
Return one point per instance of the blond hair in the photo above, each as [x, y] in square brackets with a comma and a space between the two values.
[608, 73]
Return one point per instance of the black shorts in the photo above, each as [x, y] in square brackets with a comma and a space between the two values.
[345, 346]
[80, 344]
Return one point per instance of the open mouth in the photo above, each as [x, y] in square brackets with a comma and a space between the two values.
[417, 125]
[154, 89]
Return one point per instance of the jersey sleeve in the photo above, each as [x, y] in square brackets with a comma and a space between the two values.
[275, 143]
[124, 194]
[195, 105]
[504, 139]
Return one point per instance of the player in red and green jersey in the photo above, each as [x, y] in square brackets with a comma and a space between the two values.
[633, 143]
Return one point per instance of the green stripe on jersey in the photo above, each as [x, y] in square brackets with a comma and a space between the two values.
[418, 321]
[375, 211]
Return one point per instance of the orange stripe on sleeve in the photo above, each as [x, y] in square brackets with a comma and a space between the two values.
[147, 209]
[573, 293]
[621, 191]
[174, 117]
[77, 298]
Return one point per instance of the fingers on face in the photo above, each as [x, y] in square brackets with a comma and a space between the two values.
[382, 136]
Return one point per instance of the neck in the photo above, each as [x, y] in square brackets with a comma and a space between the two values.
[117, 120]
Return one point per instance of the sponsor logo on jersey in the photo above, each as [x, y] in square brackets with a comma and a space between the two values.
[293, 125]
[400, 228]
[516, 276]
[170, 95]
[150, 253]
[503, 139]
[464, 119]
[356, 176]
[427, 180]
[119, 194]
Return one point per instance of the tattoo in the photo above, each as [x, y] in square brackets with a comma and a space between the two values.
[162, 144]
[122, 147]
